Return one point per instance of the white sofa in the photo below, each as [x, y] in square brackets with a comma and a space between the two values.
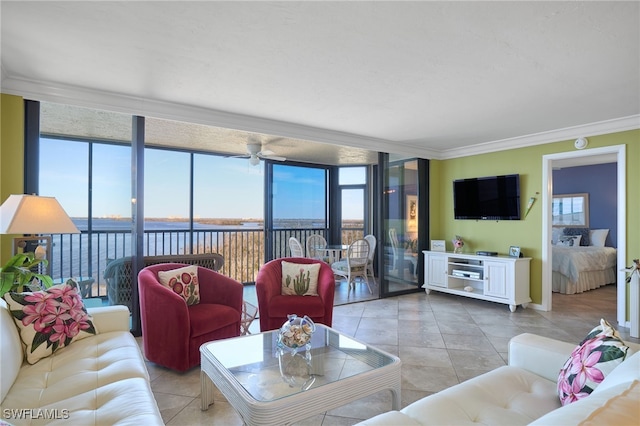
[524, 392]
[99, 380]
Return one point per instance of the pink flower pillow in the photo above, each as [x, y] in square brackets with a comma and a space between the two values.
[51, 319]
[183, 281]
[596, 356]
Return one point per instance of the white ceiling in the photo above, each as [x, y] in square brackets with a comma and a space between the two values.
[428, 79]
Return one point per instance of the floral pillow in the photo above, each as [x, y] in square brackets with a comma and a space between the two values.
[300, 279]
[50, 319]
[183, 281]
[569, 241]
[596, 356]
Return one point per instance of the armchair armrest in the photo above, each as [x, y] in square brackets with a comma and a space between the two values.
[110, 318]
[538, 354]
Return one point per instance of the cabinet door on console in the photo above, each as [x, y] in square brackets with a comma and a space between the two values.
[496, 279]
[436, 270]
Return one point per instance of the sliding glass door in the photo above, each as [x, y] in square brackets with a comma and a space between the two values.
[405, 224]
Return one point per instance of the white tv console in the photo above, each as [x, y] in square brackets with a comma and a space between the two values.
[501, 279]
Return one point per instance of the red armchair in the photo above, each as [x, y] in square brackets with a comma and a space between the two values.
[172, 331]
[273, 307]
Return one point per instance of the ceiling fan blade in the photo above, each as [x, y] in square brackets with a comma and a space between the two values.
[270, 155]
[273, 157]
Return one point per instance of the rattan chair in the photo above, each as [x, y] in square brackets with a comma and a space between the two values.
[354, 264]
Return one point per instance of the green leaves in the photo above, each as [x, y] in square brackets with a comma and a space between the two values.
[17, 273]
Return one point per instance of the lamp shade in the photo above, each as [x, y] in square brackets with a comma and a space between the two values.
[32, 214]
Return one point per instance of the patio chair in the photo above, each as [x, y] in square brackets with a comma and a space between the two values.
[274, 306]
[172, 330]
[316, 248]
[354, 264]
[400, 256]
[372, 250]
[295, 247]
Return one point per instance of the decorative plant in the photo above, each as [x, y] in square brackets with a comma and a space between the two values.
[17, 273]
[458, 243]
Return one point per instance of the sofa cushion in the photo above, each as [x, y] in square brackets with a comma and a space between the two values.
[596, 356]
[506, 395]
[98, 380]
[391, 418]
[299, 279]
[617, 405]
[183, 281]
[50, 319]
[11, 347]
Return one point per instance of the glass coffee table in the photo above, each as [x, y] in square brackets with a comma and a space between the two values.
[268, 385]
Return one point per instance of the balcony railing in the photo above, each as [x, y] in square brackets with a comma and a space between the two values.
[87, 254]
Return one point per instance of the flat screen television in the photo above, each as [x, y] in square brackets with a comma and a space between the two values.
[487, 198]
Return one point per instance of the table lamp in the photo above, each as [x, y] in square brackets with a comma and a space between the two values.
[32, 215]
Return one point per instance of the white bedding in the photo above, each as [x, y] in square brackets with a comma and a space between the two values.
[570, 261]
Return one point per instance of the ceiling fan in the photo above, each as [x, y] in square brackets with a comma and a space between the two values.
[255, 153]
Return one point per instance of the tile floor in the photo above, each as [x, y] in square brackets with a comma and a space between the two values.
[441, 339]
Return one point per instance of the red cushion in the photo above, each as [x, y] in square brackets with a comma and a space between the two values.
[281, 306]
[207, 317]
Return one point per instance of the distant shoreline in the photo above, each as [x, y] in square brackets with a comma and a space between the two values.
[222, 221]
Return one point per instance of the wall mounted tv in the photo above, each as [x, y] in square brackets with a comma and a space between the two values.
[487, 198]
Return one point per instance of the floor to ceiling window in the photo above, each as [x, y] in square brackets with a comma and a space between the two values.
[352, 183]
[195, 201]
[296, 205]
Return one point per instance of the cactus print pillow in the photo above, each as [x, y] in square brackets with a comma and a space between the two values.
[183, 281]
[300, 279]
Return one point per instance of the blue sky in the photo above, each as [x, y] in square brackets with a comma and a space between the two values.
[224, 187]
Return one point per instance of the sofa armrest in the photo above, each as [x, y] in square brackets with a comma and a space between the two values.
[538, 354]
[110, 318]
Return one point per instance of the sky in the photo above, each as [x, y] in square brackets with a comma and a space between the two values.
[223, 187]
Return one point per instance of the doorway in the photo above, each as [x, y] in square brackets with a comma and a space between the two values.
[617, 154]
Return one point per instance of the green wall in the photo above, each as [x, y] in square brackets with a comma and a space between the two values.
[11, 157]
[526, 233]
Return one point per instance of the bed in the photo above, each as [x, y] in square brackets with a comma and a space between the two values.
[582, 268]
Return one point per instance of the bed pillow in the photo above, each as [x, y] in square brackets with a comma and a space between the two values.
[598, 237]
[569, 240]
[583, 232]
[590, 362]
[556, 233]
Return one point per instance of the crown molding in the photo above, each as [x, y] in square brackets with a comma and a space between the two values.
[585, 130]
[126, 104]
